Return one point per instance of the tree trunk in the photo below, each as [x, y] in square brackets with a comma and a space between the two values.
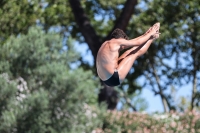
[194, 74]
[109, 96]
[194, 91]
[85, 27]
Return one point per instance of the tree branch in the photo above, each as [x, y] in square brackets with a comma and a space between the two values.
[91, 38]
[88, 31]
[128, 101]
[85, 27]
[164, 100]
[125, 16]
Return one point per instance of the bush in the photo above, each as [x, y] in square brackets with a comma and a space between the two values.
[129, 122]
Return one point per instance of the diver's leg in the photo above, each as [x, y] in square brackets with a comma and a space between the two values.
[127, 59]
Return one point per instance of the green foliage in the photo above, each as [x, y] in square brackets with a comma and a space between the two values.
[172, 60]
[17, 16]
[39, 90]
[7, 98]
[54, 15]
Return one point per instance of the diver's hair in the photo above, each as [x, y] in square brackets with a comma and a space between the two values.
[118, 33]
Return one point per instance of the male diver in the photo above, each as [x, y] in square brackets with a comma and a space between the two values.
[113, 69]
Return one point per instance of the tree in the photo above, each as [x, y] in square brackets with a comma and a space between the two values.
[91, 22]
[17, 16]
[39, 90]
[94, 41]
[59, 14]
[172, 61]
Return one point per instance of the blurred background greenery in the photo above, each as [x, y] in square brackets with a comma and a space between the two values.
[46, 86]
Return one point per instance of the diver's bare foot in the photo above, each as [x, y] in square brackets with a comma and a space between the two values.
[156, 36]
[155, 29]
[148, 31]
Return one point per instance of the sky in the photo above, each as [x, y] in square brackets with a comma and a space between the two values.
[154, 102]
